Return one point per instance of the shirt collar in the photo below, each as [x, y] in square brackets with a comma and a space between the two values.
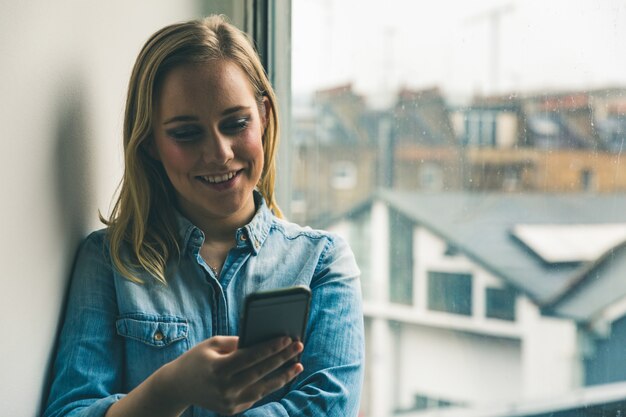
[252, 235]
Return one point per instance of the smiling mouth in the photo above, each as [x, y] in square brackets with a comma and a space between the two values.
[218, 179]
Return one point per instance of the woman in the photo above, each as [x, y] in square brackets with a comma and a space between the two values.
[155, 298]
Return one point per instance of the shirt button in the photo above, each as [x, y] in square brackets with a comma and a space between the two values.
[158, 336]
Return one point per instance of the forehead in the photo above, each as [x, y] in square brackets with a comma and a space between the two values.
[213, 85]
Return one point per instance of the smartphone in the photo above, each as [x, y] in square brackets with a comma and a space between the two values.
[275, 313]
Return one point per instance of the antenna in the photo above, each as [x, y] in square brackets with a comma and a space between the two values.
[493, 17]
[388, 58]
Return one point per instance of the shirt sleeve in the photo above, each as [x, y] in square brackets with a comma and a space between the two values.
[86, 373]
[333, 356]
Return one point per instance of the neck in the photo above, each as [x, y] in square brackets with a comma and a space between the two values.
[221, 230]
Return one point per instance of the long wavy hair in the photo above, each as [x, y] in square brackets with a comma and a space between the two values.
[142, 228]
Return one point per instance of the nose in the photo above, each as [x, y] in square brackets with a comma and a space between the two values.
[217, 149]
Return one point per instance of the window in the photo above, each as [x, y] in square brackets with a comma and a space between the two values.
[360, 240]
[401, 259]
[612, 130]
[450, 292]
[344, 175]
[480, 128]
[587, 180]
[431, 177]
[424, 402]
[500, 304]
[464, 119]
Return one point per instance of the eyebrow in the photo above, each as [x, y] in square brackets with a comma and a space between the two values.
[189, 118]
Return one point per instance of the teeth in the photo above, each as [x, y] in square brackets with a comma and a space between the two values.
[218, 178]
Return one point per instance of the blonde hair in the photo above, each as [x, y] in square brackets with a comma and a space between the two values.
[142, 228]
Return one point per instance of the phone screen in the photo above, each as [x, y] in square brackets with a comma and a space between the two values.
[271, 314]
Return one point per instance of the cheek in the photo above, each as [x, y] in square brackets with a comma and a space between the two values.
[175, 158]
[251, 147]
[257, 154]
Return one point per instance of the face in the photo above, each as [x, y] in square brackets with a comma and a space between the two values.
[207, 133]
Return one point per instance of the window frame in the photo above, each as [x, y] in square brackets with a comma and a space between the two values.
[268, 22]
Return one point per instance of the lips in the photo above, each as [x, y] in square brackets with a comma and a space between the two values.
[218, 178]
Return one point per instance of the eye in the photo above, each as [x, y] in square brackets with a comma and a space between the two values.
[185, 133]
[236, 125]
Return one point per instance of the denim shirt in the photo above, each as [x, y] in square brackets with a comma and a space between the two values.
[116, 333]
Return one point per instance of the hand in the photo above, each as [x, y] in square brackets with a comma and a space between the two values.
[216, 376]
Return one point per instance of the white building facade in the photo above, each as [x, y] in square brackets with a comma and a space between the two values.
[449, 332]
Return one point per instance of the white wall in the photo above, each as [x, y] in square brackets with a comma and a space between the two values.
[65, 66]
[462, 367]
[550, 354]
[506, 130]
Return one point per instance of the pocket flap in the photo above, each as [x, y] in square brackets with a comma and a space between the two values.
[155, 331]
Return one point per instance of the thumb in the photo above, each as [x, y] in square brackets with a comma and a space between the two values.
[224, 344]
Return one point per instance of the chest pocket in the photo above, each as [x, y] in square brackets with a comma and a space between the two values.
[157, 331]
[150, 342]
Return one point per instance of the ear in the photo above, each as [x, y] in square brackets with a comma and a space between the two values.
[265, 109]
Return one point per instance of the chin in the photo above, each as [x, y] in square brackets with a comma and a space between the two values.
[228, 208]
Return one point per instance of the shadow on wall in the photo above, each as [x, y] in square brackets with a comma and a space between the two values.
[73, 176]
[73, 180]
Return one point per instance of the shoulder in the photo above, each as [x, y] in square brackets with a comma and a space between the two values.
[332, 246]
[99, 236]
[294, 231]
[95, 246]
[92, 272]
[97, 239]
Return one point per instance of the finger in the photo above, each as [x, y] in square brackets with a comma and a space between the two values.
[249, 357]
[266, 386]
[224, 344]
[255, 373]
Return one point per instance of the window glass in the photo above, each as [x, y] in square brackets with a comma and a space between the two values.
[450, 292]
[500, 303]
[400, 259]
[344, 175]
[360, 240]
[474, 149]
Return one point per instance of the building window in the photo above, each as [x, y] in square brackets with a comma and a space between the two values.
[587, 180]
[500, 303]
[431, 176]
[344, 175]
[401, 259]
[480, 129]
[612, 130]
[451, 250]
[450, 292]
[423, 402]
[360, 242]
[511, 178]
[546, 130]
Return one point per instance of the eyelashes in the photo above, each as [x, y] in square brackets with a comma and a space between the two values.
[236, 126]
[185, 133]
[192, 132]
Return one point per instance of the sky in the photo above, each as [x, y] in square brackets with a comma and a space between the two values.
[379, 46]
